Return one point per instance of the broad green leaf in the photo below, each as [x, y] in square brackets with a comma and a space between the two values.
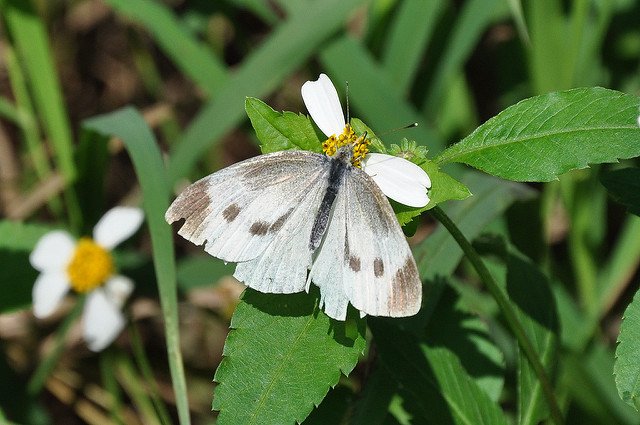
[443, 188]
[544, 136]
[434, 383]
[624, 186]
[278, 131]
[128, 125]
[17, 276]
[627, 365]
[468, 337]
[281, 357]
[529, 290]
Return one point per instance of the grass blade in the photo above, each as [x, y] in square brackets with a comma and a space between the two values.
[193, 58]
[32, 45]
[291, 44]
[129, 125]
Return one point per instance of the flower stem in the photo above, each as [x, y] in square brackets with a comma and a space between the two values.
[39, 377]
[506, 309]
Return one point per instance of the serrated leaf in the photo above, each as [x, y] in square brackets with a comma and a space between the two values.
[443, 188]
[545, 136]
[278, 131]
[624, 186]
[436, 385]
[281, 357]
[627, 366]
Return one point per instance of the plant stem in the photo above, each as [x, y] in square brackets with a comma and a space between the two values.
[39, 377]
[506, 309]
[145, 367]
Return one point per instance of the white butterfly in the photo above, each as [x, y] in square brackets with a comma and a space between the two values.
[292, 217]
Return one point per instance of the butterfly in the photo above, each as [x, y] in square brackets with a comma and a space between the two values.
[290, 218]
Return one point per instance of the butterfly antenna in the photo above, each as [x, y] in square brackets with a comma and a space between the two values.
[404, 127]
[348, 113]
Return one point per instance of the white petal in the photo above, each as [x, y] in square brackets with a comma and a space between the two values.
[116, 225]
[102, 320]
[48, 290]
[399, 179]
[323, 104]
[53, 251]
[118, 289]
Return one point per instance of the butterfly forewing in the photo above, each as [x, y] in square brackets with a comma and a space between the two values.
[282, 266]
[240, 210]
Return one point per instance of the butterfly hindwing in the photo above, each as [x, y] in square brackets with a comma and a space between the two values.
[240, 210]
[378, 274]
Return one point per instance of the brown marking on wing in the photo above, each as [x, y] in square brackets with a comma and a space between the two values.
[354, 263]
[191, 201]
[378, 267]
[231, 212]
[405, 287]
[277, 225]
[259, 228]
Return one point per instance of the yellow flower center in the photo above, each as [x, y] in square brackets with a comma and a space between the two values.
[90, 266]
[348, 137]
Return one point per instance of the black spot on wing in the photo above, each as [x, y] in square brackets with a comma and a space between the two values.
[259, 228]
[277, 225]
[231, 212]
[378, 267]
[354, 263]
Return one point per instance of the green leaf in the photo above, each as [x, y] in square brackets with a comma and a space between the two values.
[128, 125]
[627, 365]
[624, 186]
[17, 276]
[529, 290]
[544, 136]
[436, 385]
[443, 188]
[281, 357]
[469, 338]
[278, 131]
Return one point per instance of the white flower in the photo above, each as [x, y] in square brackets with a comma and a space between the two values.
[398, 178]
[86, 266]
